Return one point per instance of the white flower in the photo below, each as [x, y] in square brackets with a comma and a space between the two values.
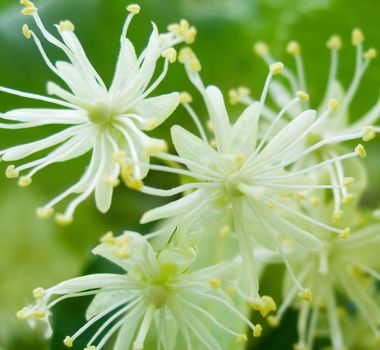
[158, 291]
[246, 177]
[337, 125]
[105, 121]
[343, 279]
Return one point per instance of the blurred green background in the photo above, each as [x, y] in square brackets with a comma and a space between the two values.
[34, 252]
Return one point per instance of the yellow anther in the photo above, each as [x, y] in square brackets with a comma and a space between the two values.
[26, 31]
[11, 172]
[187, 57]
[333, 104]
[273, 321]
[240, 158]
[293, 48]
[357, 37]
[241, 338]
[347, 199]
[231, 290]
[276, 68]
[44, 213]
[29, 11]
[214, 283]
[368, 133]
[209, 125]
[345, 233]
[257, 330]
[91, 347]
[315, 201]
[184, 26]
[24, 181]
[270, 205]
[108, 238]
[68, 342]
[335, 42]
[303, 96]
[337, 215]
[174, 28]
[156, 147]
[195, 65]
[190, 35]
[185, 54]
[66, 26]
[26, 3]
[24, 314]
[170, 54]
[185, 97]
[301, 196]
[224, 231]
[63, 219]
[110, 181]
[122, 252]
[305, 295]
[370, 54]
[134, 9]
[234, 96]
[348, 180]
[39, 314]
[122, 240]
[360, 150]
[133, 183]
[265, 305]
[38, 293]
[261, 49]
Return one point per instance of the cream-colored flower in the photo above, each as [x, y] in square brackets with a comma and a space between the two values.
[107, 122]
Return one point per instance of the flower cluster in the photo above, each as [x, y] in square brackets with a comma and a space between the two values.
[278, 185]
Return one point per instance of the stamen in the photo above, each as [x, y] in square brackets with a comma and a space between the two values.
[68, 342]
[66, 26]
[11, 172]
[368, 133]
[26, 31]
[360, 150]
[357, 37]
[335, 42]
[134, 9]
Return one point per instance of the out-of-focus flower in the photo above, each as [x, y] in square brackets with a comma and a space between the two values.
[343, 278]
[106, 121]
[338, 124]
[158, 291]
[247, 177]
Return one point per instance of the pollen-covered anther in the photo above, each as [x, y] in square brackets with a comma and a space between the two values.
[370, 54]
[68, 342]
[333, 104]
[170, 54]
[224, 231]
[110, 181]
[24, 313]
[360, 150]
[241, 338]
[347, 199]
[215, 283]
[185, 97]
[122, 252]
[108, 238]
[39, 314]
[357, 37]
[134, 9]
[38, 293]
[240, 158]
[29, 9]
[190, 35]
[276, 68]
[183, 29]
[345, 233]
[11, 172]
[348, 180]
[66, 26]
[303, 96]
[186, 56]
[265, 305]
[305, 295]
[337, 215]
[293, 48]
[133, 183]
[24, 181]
[44, 213]
[368, 133]
[270, 205]
[26, 31]
[335, 42]
[63, 219]
[273, 321]
[257, 330]
[231, 290]
[261, 49]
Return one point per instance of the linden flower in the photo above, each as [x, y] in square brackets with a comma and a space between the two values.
[105, 121]
[342, 277]
[245, 177]
[158, 289]
[338, 124]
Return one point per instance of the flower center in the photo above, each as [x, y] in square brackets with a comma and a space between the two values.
[232, 183]
[100, 113]
[156, 295]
